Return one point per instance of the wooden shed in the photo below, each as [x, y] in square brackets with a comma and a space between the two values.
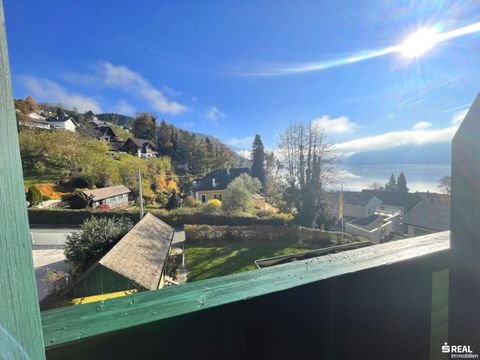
[137, 261]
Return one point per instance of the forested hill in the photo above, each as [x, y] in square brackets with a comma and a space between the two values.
[117, 119]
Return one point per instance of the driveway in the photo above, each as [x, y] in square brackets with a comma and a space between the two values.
[49, 265]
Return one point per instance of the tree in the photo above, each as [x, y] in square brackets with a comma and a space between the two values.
[237, 197]
[308, 161]
[391, 185]
[402, 183]
[376, 186]
[258, 160]
[96, 238]
[34, 197]
[144, 126]
[445, 184]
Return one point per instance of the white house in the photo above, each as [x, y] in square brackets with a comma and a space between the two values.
[359, 205]
[62, 121]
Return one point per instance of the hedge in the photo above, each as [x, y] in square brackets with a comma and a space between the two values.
[173, 218]
[207, 233]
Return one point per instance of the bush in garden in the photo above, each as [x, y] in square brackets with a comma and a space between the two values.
[96, 238]
[191, 202]
[34, 196]
[103, 207]
[212, 206]
[237, 198]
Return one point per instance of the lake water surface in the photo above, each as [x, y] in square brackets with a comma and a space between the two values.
[419, 177]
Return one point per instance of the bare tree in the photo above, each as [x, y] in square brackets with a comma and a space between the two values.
[309, 164]
[445, 184]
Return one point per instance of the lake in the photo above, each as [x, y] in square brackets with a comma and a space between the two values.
[419, 177]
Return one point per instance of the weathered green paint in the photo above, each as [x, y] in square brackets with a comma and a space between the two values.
[90, 320]
[20, 327]
[101, 280]
[377, 313]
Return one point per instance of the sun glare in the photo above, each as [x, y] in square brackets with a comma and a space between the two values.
[419, 43]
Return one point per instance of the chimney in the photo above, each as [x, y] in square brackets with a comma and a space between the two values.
[214, 184]
[228, 171]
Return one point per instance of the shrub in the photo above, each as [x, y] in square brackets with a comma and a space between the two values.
[103, 207]
[237, 197]
[34, 196]
[97, 237]
[191, 202]
[173, 201]
[39, 167]
[213, 206]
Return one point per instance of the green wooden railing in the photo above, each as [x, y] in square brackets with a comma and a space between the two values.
[382, 302]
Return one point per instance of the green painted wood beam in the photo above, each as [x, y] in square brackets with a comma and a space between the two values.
[69, 324]
[20, 326]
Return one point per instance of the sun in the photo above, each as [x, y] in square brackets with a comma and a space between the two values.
[419, 43]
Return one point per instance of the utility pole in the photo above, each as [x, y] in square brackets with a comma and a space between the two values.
[140, 193]
[341, 197]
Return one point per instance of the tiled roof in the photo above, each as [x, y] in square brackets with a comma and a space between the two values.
[356, 198]
[222, 177]
[395, 198]
[429, 215]
[140, 255]
[142, 142]
[107, 192]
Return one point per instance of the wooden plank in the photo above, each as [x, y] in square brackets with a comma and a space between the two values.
[20, 327]
[74, 323]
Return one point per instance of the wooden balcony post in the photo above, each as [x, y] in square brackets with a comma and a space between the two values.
[20, 326]
[464, 302]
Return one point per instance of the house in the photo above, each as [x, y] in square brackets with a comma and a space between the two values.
[136, 262]
[33, 120]
[113, 196]
[105, 133]
[140, 147]
[359, 205]
[427, 217]
[392, 201]
[214, 184]
[376, 228]
[63, 121]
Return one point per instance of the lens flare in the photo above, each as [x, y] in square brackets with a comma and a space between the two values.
[414, 46]
[419, 43]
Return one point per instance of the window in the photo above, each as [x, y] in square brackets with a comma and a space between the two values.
[204, 198]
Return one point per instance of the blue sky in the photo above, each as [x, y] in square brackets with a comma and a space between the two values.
[234, 69]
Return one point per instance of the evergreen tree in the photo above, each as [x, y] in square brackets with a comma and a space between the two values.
[144, 126]
[258, 160]
[402, 183]
[391, 185]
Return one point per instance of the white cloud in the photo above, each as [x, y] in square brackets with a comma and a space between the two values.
[121, 77]
[214, 114]
[247, 140]
[188, 124]
[49, 91]
[422, 125]
[419, 135]
[459, 116]
[124, 108]
[246, 154]
[337, 125]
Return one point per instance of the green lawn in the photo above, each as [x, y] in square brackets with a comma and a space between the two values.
[206, 261]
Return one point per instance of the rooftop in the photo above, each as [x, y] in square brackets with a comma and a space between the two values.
[107, 192]
[429, 215]
[141, 254]
[222, 177]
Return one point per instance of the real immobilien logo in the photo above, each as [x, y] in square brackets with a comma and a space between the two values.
[459, 351]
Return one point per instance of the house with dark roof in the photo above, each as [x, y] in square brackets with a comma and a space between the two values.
[33, 120]
[105, 133]
[427, 217]
[358, 205]
[62, 121]
[113, 196]
[136, 262]
[392, 201]
[140, 147]
[214, 184]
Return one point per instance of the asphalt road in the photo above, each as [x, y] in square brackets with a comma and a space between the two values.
[50, 236]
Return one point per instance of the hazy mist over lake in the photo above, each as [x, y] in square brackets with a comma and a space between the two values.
[420, 177]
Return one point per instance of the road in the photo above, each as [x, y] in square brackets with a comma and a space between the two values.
[50, 236]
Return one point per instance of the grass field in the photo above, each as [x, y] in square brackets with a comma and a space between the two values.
[206, 261]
